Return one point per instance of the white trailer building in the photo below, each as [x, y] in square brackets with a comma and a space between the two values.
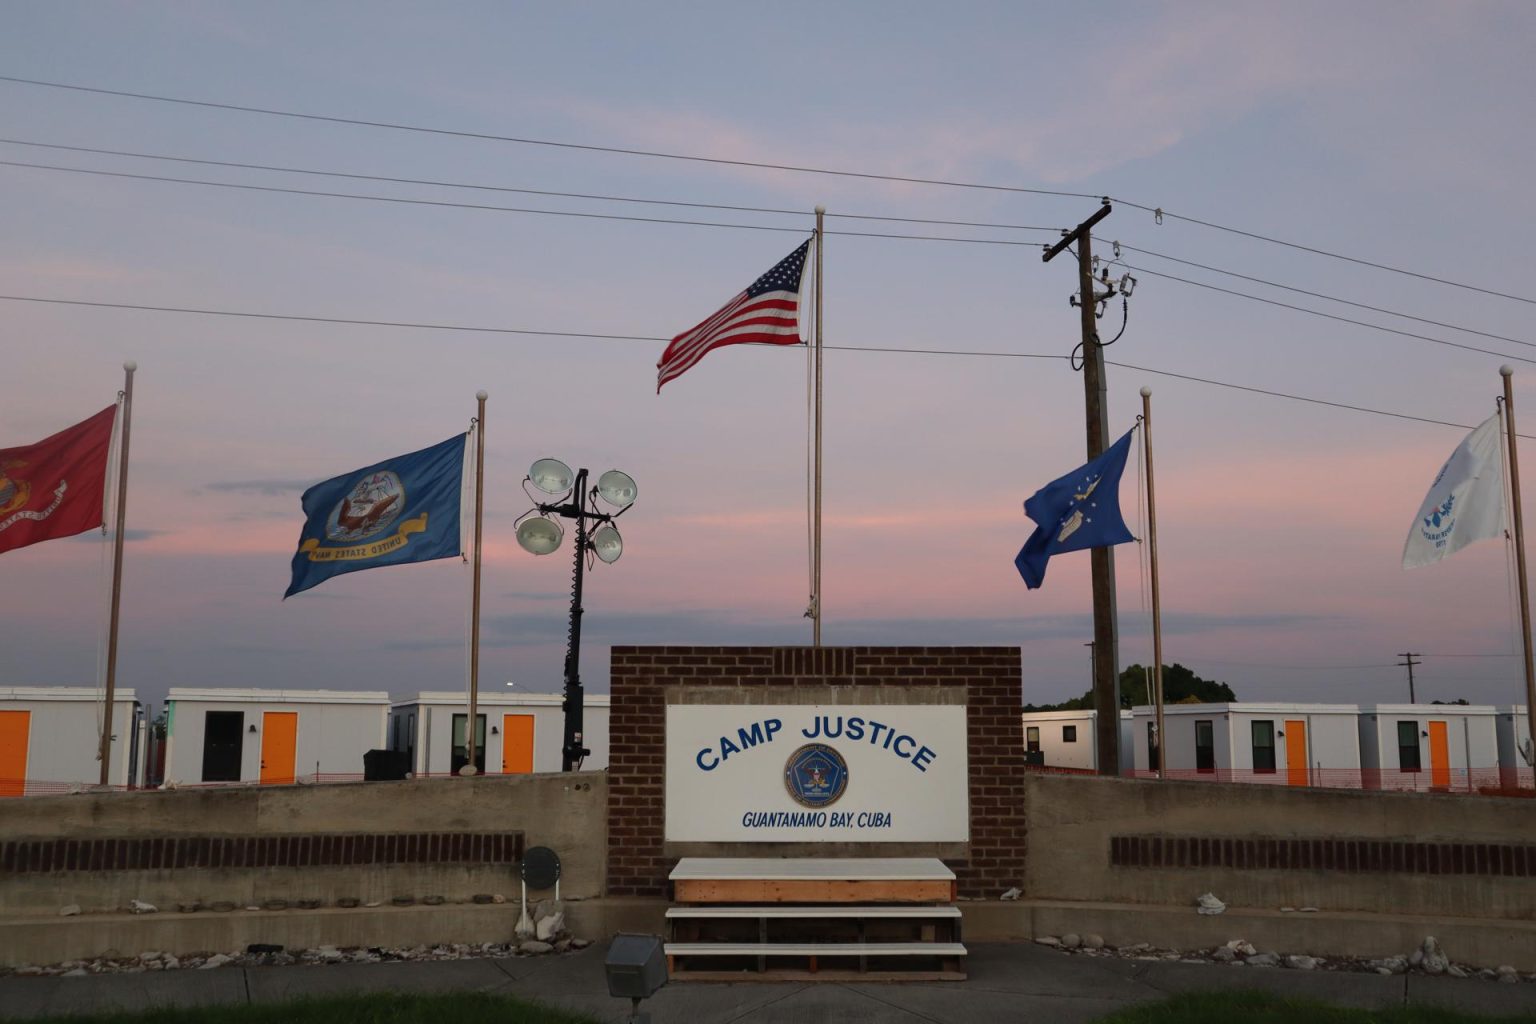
[1429, 746]
[1513, 731]
[50, 739]
[1069, 739]
[1271, 744]
[274, 737]
[515, 734]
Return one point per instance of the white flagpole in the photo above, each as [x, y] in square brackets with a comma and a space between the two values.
[105, 751]
[1508, 373]
[821, 236]
[1157, 610]
[474, 615]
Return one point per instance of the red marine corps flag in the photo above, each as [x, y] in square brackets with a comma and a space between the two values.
[54, 488]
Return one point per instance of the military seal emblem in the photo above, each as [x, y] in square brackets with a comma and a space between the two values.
[369, 509]
[815, 775]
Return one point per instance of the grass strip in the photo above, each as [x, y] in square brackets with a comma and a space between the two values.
[1264, 1008]
[383, 1008]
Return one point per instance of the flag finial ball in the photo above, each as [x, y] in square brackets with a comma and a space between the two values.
[481, 395]
[1506, 370]
[130, 366]
[820, 208]
[1146, 392]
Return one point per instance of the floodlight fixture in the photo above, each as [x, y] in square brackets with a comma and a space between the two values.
[617, 488]
[607, 543]
[551, 476]
[539, 536]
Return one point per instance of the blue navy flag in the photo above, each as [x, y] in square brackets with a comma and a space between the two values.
[1080, 510]
[404, 509]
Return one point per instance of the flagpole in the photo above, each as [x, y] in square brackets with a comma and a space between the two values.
[1508, 373]
[105, 751]
[1157, 610]
[816, 527]
[474, 614]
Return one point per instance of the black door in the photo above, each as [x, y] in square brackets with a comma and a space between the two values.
[222, 739]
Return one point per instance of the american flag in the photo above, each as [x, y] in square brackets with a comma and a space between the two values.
[768, 311]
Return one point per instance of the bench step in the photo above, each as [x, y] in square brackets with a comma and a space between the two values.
[840, 911]
[872, 949]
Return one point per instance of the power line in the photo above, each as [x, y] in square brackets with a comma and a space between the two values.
[508, 188]
[1324, 252]
[1329, 316]
[520, 140]
[690, 205]
[1321, 295]
[487, 207]
[489, 137]
[472, 329]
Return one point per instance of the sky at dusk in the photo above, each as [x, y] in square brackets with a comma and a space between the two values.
[1392, 133]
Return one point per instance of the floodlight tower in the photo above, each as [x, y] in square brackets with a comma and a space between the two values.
[541, 535]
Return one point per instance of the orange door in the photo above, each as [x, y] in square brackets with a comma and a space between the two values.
[15, 728]
[516, 744]
[1296, 753]
[279, 747]
[1439, 757]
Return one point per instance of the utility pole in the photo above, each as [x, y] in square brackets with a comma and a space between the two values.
[1410, 655]
[1106, 682]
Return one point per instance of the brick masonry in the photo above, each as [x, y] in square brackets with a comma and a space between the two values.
[293, 851]
[1382, 856]
[989, 677]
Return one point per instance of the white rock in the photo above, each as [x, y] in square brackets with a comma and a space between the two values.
[549, 927]
[580, 943]
[1264, 960]
[140, 907]
[1384, 970]
[535, 947]
[498, 898]
[1012, 894]
[1287, 910]
[1506, 971]
[1301, 963]
[1093, 941]
[217, 960]
[1071, 940]
[329, 953]
[1242, 946]
[1224, 954]
[1309, 910]
[70, 911]
[1048, 940]
[1456, 972]
[1434, 960]
[1209, 904]
[78, 972]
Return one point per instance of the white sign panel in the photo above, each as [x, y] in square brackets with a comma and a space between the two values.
[816, 773]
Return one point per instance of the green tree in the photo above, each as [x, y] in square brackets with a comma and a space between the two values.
[1180, 686]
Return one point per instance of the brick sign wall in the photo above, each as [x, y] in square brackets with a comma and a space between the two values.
[644, 679]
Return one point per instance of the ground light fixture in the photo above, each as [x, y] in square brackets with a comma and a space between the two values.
[539, 532]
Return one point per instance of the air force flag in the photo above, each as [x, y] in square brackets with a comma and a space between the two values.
[1080, 510]
[404, 509]
[1465, 503]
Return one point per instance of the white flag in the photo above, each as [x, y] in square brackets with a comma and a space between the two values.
[1464, 504]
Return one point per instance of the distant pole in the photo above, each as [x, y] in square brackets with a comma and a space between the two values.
[105, 752]
[1410, 655]
[1157, 608]
[474, 615]
[1508, 373]
[1106, 682]
[821, 236]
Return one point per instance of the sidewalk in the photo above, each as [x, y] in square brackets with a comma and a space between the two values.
[1008, 982]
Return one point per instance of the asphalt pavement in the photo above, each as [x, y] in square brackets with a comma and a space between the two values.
[1007, 982]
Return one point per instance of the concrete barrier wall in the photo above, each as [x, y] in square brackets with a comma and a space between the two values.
[1266, 847]
[567, 813]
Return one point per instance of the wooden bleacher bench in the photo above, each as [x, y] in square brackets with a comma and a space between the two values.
[830, 918]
